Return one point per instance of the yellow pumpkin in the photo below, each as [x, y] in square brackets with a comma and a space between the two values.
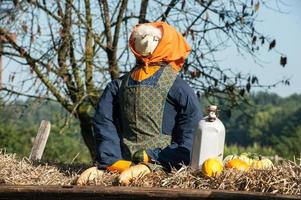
[212, 167]
[237, 164]
[262, 163]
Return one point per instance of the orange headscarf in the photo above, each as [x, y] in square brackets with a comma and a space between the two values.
[172, 49]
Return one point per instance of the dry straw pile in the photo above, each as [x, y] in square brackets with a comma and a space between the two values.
[14, 171]
[285, 178]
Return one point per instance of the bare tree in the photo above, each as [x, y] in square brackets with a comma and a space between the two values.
[68, 50]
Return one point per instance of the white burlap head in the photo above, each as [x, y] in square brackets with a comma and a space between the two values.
[146, 38]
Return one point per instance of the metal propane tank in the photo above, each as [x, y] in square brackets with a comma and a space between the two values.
[209, 139]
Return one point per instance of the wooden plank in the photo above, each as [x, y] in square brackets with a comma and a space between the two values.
[111, 193]
[40, 141]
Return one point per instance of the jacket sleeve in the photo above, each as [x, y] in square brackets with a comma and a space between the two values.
[187, 116]
[105, 127]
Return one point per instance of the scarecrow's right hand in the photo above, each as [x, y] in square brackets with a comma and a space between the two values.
[89, 175]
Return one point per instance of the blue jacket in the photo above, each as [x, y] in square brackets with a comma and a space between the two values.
[180, 118]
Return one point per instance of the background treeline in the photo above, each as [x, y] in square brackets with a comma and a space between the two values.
[19, 123]
[268, 125]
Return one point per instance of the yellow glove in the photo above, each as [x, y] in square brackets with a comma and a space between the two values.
[89, 175]
[119, 166]
[141, 156]
[127, 175]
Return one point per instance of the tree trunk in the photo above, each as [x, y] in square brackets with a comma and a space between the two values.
[86, 127]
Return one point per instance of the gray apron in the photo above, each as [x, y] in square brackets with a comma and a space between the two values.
[142, 108]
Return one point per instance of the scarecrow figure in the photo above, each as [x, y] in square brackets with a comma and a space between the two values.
[150, 112]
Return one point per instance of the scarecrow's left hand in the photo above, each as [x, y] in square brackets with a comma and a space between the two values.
[136, 171]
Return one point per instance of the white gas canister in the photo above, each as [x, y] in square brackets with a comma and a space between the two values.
[209, 139]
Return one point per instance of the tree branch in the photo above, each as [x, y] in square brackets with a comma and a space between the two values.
[198, 17]
[106, 21]
[143, 11]
[26, 95]
[171, 4]
[32, 63]
[89, 51]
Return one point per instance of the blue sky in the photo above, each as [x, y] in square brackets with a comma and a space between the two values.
[283, 26]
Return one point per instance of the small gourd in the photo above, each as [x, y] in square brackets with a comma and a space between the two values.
[140, 156]
[230, 157]
[119, 166]
[262, 163]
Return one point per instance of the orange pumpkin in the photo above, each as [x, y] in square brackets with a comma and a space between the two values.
[245, 156]
[237, 164]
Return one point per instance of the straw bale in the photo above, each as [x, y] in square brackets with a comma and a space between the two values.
[15, 171]
[284, 178]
